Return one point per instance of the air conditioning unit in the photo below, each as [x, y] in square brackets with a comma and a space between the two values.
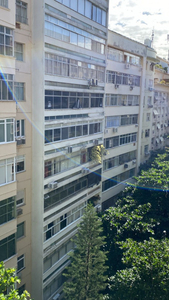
[52, 185]
[19, 211]
[126, 166]
[115, 129]
[96, 142]
[56, 296]
[69, 149]
[116, 86]
[134, 161]
[150, 89]
[127, 66]
[106, 131]
[23, 141]
[98, 208]
[136, 125]
[85, 171]
[19, 142]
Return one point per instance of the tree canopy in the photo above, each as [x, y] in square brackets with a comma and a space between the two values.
[8, 279]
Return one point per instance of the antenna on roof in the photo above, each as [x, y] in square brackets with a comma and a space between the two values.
[152, 38]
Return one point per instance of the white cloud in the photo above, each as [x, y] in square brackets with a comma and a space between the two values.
[136, 20]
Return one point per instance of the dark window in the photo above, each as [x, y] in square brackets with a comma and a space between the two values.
[8, 247]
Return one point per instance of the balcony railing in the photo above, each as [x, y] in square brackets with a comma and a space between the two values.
[4, 3]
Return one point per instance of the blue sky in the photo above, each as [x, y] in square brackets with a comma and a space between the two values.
[136, 19]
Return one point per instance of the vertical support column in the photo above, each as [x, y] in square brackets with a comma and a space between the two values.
[142, 88]
[37, 147]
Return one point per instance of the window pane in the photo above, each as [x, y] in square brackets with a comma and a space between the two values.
[2, 132]
[103, 18]
[73, 38]
[73, 4]
[88, 9]
[88, 43]
[81, 6]
[64, 133]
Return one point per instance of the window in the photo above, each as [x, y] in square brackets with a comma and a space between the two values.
[19, 91]
[20, 263]
[21, 12]
[146, 150]
[6, 130]
[20, 163]
[8, 247]
[6, 87]
[20, 128]
[74, 100]
[147, 132]
[20, 230]
[4, 3]
[121, 78]
[7, 210]
[19, 51]
[59, 30]
[150, 83]
[21, 289]
[7, 171]
[59, 224]
[6, 41]
[148, 117]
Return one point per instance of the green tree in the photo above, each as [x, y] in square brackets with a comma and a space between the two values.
[86, 273]
[146, 273]
[8, 279]
[125, 220]
[152, 186]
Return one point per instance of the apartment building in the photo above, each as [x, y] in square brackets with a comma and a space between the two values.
[15, 138]
[67, 86]
[123, 113]
[68, 74]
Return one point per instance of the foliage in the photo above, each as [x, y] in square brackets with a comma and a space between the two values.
[8, 279]
[126, 220]
[146, 275]
[97, 153]
[87, 268]
[152, 187]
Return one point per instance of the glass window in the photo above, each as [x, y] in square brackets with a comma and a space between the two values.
[20, 230]
[64, 133]
[19, 91]
[7, 210]
[88, 43]
[99, 15]
[81, 41]
[73, 38]
[4, 3]
[81, 6]
[7, 171]
[21, 12]
[88, 9]
[6, 41]
[6, 87]
[73, 4]
[19, 51]
[20, 263]
[103, 18]
[20, 163]
[8, 247]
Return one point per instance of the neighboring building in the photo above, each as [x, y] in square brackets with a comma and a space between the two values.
[76, 86]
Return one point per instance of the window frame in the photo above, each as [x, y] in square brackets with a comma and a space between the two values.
[21, 259]
[19, 53]
[21, 228]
